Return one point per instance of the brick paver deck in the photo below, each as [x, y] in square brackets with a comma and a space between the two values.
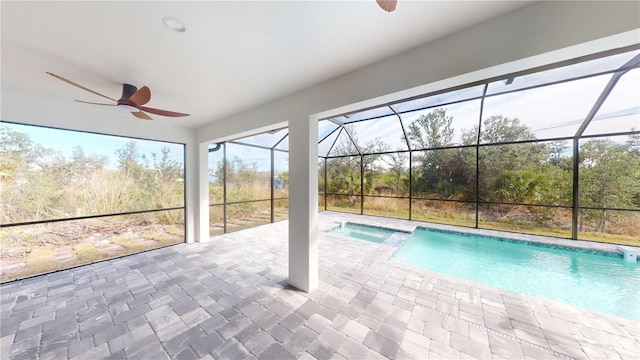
[228, 299]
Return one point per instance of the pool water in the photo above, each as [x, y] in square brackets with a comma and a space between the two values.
[594, 281]
[374, 234]
[363, 232]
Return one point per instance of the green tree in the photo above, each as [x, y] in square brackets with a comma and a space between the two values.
[33, 178]
[498, 129]
[17, 152]
[82, 165]
[167, 187]
[396, 173]
[609, 178]
[495, 159]
[128, 159]
[520, 186]
[343, 171]
[439, 173]
[243, 180]
[431, 130]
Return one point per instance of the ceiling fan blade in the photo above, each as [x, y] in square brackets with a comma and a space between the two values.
[162, 112]
[141, 97]
[92, 103]
[78, 85]
[387, 5]
[141, 115]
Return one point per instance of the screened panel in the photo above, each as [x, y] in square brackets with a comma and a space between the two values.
[530, 173]
[542, 113]
[248, 173]
[328, 143]
[535, 173]
[537, 220]
[451, 125]
[604, 64]
[247, 215]
[325, 127]
[609, 173]
[284, 144]
[444, 212]
[280, 209]
[40, 248]
[603, 225]
[56, 174]
[345, 145]
[373, 170]
[216, 173]
[267, 139]
[621, 110]
[343, 175]
[388, 174]
[216, 220]
[386, 206]
[440, 99]
[281, 174]
[321, 179]
[378, 135]
[344, 203]
[444, 174]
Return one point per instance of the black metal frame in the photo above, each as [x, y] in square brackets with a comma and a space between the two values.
[272, 199]
[342, 127]
[47, 221]
[575, 206]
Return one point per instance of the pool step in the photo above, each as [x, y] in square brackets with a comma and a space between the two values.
[397, 239]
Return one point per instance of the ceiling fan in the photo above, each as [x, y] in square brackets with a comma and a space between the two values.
[132, 100]
[387, 5]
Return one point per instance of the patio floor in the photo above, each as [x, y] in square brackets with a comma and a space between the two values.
[228, 299]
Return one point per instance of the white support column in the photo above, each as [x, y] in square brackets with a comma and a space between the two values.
[191, 190]
[303, 204]
[203, 193]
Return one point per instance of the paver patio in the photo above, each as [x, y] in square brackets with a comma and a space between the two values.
[228, 299]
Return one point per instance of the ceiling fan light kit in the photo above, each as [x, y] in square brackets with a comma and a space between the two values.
[131, 100]
[126, 107]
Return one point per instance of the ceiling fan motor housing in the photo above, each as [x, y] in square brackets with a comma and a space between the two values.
[124, 102]
[127, 91]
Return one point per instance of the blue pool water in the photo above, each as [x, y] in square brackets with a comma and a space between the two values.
[363, 232]
[374, 234]
[594, 281]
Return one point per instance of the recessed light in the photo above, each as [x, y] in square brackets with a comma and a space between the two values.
[173, 24]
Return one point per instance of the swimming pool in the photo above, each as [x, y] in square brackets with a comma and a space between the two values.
[593, 280]
[379, 235]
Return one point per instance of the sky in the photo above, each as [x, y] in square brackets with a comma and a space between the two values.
[65, 141]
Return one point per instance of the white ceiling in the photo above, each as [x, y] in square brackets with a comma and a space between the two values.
[232, 57]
